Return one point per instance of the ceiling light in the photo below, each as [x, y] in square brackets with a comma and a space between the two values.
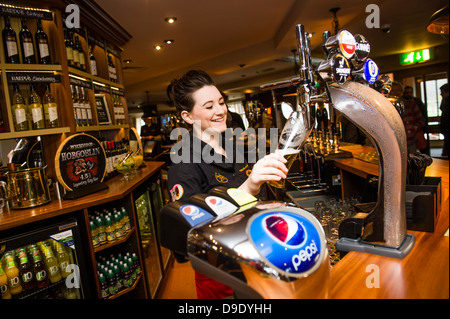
[127, 61]
[157, 47]
[170, 19]
[169, 41]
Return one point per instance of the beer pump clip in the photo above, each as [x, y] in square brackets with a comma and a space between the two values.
[385, 221]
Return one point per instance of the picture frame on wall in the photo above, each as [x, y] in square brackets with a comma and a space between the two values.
[102, 109]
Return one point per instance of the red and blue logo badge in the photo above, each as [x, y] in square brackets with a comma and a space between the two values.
[195, 215]
[291, 241]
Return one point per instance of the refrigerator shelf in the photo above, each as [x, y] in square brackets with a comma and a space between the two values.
[116, 242]
[125, 291]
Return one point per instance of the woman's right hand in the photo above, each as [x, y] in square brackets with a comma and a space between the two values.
[270, 168]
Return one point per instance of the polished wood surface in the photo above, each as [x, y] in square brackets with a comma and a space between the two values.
[423, 273]
[117, 189]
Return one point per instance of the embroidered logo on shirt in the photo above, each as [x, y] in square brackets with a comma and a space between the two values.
[176, 192]
[221, 178]
[248, 172]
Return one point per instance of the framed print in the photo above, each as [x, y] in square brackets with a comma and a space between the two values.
[101, 107]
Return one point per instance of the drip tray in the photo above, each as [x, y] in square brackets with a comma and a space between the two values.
[307, 200]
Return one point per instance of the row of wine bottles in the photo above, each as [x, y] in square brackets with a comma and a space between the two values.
[76, 56]
[38, 114]
[28, 52]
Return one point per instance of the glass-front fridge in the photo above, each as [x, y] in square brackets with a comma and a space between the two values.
[158, 203]
[150, 251]
[46, 263]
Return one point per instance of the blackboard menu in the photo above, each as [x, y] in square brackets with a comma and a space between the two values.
[102, 109]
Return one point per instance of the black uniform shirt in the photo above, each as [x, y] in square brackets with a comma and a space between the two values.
[194, 176]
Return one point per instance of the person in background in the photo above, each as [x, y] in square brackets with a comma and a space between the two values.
[149, 131]
[202, 106]
[412, 117]
[408, 95]
[444, 117]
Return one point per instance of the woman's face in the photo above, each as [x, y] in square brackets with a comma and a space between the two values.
[210, 110]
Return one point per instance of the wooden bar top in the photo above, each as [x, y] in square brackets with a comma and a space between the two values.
[423, 273]
[117, 189]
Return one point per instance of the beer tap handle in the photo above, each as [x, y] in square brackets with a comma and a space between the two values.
[325, 36]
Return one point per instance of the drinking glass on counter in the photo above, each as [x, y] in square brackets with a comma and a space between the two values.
[124, 166]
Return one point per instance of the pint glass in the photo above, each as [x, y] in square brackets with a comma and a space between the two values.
[294, 134]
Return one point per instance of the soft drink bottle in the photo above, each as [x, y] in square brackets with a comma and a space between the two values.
[127, 279]
[6, 294]
[63, 261]
[104, 286]
[136, 263]
[126, 219]
[39, 270]
[118, 275]
[26, 271]
[132, 268]
[112, 282]
[51, 264]
[12, 273]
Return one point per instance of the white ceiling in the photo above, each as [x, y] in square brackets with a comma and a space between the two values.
[234, 39]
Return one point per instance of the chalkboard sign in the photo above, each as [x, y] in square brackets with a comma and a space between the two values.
[102, 109]
[80, 164]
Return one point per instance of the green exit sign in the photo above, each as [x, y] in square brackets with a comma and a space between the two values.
[416, 56]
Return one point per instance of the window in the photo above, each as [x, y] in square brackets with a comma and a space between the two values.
[430, 92]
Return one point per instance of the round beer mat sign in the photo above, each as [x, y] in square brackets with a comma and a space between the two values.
[80, 162]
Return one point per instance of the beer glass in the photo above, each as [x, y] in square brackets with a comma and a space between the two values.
[294, 134]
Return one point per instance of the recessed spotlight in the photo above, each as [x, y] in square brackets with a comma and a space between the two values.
[157, 47]
[169, 41]
[170, 19]
[127, 61]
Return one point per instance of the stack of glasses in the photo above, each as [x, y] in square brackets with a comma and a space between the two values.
[330, 214]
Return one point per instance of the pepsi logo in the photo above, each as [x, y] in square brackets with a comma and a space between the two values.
[215, 201]
[195, 215]
[190, 210]
[290, 240]
[285, 229]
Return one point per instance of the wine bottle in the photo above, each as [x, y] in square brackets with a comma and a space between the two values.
[87, 106]
[76, 54]
[93, 63]
[19, 110]
[76, 106]
[83, 114]
[69, 48]
[112, 70]
[43, 51]
[26, 44]
[37, 111]
[50, 108]
[81, 56]
[10, 43]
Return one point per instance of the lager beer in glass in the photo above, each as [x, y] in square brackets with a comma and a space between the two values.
[294, 134]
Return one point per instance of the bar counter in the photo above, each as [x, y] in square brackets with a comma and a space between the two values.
[117, 189]
[423, 273]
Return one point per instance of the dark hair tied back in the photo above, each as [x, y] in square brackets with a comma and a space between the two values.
[180, 90]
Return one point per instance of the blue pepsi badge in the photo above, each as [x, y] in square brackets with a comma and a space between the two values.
[292, 241]
[195, 215]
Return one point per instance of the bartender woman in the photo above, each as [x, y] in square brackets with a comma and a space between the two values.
[202, 106]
